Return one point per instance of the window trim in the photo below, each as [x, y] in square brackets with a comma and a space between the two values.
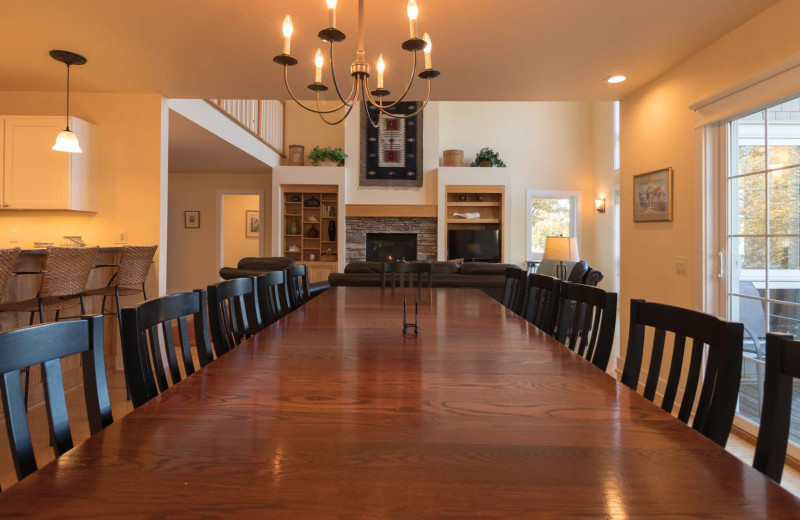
[551, 194]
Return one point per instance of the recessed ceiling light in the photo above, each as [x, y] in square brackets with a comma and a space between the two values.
[616, 79]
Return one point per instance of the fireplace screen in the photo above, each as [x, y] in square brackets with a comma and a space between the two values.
[391, 247]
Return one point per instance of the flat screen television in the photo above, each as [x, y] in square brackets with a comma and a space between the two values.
[479, 245]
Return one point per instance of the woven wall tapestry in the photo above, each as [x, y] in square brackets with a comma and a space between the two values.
[391, 155]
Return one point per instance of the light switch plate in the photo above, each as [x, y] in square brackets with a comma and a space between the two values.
[680, 264]
[120, 237]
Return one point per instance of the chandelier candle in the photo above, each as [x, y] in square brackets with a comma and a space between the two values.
[381, 68]
[413, 12]
[318, 62]
[287, 34]
[331, 14]
[427, 51]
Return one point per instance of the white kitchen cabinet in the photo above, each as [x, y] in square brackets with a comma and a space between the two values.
[36, 177]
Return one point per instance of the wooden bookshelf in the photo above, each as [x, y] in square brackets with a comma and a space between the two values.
[487, 201]
[307, 213]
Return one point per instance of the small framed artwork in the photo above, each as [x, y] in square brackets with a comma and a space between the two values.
[191, 219]
[652, 196]
[253, 224]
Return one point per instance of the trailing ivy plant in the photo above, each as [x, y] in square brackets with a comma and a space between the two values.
[487, 154]
[321, 154]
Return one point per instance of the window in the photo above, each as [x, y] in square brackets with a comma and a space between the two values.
[550, 214]
[764, 238]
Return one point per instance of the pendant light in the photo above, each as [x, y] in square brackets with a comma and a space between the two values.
[67, 141]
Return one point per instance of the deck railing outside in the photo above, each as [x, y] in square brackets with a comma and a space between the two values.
[261, 117]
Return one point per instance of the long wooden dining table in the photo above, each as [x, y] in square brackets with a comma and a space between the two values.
[332, 412]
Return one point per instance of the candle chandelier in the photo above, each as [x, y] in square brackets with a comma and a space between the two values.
[360, 69]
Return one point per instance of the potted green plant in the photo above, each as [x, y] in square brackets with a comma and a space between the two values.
[488, 157]
[327, 156]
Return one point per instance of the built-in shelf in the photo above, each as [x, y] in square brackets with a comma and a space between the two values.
[473, 221]
[476, 204]
[325, 204]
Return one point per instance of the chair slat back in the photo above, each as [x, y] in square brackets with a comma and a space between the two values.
[134, 264]
[227, 312]
[586, 321]
[270, 285]
[297, 285]
[143, 349]
[46, 344]
[515, 289]
[414, 270]
[718, 383]
[541, 304]
[8, 257]
[66, 270]
[783, 367]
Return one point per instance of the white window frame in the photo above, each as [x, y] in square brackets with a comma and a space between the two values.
[574, 217]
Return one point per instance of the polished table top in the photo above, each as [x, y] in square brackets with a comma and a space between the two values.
[332, 412]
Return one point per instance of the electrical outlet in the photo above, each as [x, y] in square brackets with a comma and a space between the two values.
[120, 237]
[14, 235]
[680, 264]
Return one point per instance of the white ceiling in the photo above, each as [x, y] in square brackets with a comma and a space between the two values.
[193, 149]
[512, 50]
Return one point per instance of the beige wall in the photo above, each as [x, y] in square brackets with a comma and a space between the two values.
[235, 244]
[192, 259]
[306, 128]
[129, 128]
[658, 131]
[546, 146]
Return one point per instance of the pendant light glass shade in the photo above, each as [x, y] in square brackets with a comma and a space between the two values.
[67, 142]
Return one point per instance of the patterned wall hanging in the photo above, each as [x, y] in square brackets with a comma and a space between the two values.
[391, 155]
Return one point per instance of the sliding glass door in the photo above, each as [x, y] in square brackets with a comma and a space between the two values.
[763, 274]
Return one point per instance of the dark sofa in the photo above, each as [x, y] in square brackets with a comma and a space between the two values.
[490, 278]
[253, 266]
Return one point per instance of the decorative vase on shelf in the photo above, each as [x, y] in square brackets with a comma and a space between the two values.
[313, 202]
[312, 257]
[332, 231]
[453, 157]
[296, 154]
[312, 232]
[291, 228]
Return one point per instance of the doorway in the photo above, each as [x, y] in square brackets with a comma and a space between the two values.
[240, 226]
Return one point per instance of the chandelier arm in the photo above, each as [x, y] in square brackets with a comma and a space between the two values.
[289, 89]
[408, 87]
[366, 108]
[332, 123]
[350, 99]
[406, 116]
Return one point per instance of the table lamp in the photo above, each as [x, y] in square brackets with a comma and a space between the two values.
[561, 249]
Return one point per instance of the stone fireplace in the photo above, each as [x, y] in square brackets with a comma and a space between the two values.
[421, 228]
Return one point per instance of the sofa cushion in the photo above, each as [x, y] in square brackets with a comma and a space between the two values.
[449, 267]
[363, 267]
[265, 263]
[474, 268]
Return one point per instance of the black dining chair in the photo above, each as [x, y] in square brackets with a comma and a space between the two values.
[586, 322]
[46, 345]
[783, 367]
[414, 270]
[716, 405]
[541, 304]
[227, 312]
[271, 296]
[297, 285]
[143, 350]
[515, 289]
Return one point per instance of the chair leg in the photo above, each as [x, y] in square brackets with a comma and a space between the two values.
[57, 314]
[119, 326]
[83, 305]
[41, 311]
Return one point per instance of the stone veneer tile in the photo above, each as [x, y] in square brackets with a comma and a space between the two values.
[358, 227]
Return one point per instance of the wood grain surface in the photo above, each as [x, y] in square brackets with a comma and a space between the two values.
[332, 413]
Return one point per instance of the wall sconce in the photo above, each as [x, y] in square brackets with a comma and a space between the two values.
[600, 204]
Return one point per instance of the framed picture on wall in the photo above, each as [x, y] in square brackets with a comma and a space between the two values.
[652, 196]
[253, 223]
[191, 219]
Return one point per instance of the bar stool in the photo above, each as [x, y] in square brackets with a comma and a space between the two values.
[134, 264]
[8, 257]
[64, 276]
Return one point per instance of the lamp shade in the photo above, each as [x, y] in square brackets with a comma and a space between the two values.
[67, 142]
[561, 249]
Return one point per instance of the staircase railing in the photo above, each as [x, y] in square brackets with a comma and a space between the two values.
[261, 117]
